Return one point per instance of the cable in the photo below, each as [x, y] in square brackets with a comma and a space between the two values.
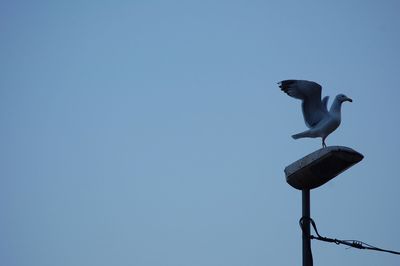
[351, 243]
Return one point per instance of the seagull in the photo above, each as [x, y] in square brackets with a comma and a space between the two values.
[318, 119]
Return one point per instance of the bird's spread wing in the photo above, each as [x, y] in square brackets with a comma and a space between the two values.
[314, 110]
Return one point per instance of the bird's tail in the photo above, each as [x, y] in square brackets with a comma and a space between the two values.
[305, 134]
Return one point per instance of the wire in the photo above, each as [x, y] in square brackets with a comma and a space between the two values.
[351, 243]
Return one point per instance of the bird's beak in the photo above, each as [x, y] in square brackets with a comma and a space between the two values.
[349, 100]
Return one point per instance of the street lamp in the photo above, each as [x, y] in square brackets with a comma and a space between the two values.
[313, 171]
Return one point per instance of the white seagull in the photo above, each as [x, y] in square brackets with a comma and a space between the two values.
[318, 119]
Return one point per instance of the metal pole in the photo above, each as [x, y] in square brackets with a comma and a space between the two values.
[307, 255]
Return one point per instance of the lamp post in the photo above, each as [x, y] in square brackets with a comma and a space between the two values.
[312, 171]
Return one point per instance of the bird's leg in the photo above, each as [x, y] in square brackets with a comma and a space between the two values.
[323, 143]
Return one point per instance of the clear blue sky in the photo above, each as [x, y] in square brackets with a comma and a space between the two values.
[152, 133]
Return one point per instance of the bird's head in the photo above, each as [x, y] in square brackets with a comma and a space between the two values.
[343, 98]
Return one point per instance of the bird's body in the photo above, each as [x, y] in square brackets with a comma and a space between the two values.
[318, 119]
[321, 130]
